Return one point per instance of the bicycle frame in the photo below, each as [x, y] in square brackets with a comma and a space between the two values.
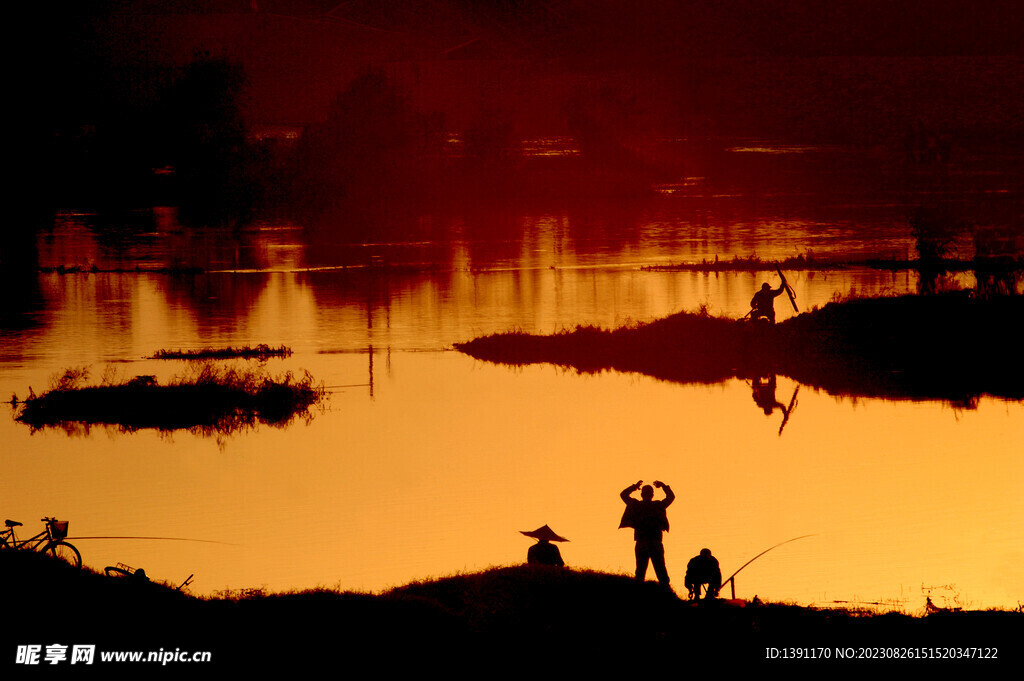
[31, 544]
[47, 541]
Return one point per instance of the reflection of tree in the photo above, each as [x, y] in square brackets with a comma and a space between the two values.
[934, 228]
[206, 138]
[19, 278]
[602, 122]
[997, 265]
[372, 145]
[490, 142]
[216, 301]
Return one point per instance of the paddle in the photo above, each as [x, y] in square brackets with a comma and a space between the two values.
[789, 289]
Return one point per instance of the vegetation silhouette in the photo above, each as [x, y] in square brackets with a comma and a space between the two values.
[753, 263]
[553, 614]
[262, 352]
[949, 346]
[211, 399]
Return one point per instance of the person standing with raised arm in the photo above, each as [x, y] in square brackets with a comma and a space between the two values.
[649, 519]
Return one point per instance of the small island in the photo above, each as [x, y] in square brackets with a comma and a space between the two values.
[209, 399]
[950, 346]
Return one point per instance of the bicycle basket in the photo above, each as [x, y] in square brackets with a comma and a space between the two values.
[59, 529]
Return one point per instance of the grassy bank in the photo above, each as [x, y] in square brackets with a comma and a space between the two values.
[208, 397]
[948, 346]
[514, 616]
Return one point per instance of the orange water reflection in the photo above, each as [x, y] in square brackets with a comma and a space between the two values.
[450, 458]
[435, 467]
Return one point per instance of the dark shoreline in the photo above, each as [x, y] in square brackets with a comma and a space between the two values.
[948, 347]
[524, 614]
[811, 263]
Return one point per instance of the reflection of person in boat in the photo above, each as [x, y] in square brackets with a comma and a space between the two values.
[763, 392]
[703, 570]
[648, 519]
[544, 552]
[763, 302]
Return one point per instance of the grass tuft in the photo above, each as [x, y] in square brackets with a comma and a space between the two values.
[261, 352]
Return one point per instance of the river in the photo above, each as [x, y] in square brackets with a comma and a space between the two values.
[424, 462]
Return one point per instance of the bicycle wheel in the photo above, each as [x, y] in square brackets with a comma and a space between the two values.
[65, 552]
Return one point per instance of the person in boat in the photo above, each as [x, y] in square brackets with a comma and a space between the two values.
[701, 571]
[763, 302]
[544, 552]
[649, 520]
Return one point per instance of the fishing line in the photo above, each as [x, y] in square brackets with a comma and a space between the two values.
[204, 541]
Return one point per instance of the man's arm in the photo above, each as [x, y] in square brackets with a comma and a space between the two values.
[624, 495]
[669, 496]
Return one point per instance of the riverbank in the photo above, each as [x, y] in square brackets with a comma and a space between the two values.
[950, 347]
[518, 616]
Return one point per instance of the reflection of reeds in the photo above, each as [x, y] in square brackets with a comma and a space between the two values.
[208, 398]
[261, 352]
[752, 263]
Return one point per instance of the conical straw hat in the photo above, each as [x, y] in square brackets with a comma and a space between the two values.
[544, 532]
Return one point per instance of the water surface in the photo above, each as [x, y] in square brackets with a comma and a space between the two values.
[425, 462]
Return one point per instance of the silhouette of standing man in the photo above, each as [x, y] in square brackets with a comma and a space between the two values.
[648, 519]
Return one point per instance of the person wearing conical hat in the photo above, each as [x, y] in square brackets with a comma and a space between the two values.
[544, 552]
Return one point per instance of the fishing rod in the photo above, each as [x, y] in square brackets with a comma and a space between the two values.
[789, 409]
[731, 579]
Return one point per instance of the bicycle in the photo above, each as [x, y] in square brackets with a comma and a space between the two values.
[50, 541]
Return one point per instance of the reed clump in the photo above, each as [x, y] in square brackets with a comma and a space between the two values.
[751, 263]
[207, 397]
[261, 352]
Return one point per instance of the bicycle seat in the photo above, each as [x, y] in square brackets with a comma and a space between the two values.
[12, 523]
